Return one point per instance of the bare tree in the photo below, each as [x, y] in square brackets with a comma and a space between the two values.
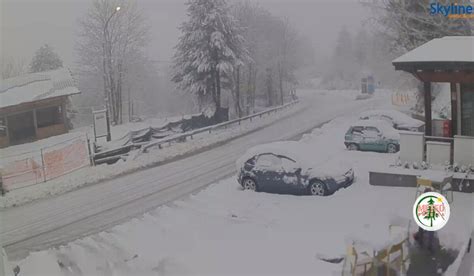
[108, 38]
[408, 23]
[276, 51]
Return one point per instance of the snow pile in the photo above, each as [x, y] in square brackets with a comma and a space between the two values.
[224, 230]
[387, 130]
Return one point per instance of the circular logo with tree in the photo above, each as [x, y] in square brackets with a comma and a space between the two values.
[431, 211]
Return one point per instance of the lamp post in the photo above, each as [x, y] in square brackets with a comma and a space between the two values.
[105, 56]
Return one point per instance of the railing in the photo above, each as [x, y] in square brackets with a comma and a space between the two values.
[182, 136]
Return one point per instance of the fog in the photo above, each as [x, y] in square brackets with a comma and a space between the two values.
[29, 24]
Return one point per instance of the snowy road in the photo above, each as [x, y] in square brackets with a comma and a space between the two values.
[95, 208]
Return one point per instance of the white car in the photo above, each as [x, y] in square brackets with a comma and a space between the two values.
[397, 119]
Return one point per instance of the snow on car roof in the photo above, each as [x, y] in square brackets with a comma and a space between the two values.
[446, 49]
[37, 86]
[374, 123]
[319, 164]
[289, 149]
[398, 117]
[382, 125]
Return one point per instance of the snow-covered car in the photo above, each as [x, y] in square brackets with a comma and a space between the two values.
[290, 167]
[372, 135]
[397, 119]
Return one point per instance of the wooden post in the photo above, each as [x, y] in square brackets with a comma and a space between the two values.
[35, 123]
[428, 119]
[129, 106]
[454, 110]
[7, 131]
[64, 115]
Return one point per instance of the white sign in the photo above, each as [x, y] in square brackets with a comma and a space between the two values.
[100, 123]
[431, 211]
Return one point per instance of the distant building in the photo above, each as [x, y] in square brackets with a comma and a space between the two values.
[33, 106]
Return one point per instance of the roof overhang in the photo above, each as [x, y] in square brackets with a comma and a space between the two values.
[447, 59]
[414, 66]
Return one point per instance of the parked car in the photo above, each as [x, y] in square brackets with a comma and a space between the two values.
[288, 167]
[372, 135]
[397, 119]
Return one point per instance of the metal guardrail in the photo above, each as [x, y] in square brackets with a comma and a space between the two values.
[182, 136]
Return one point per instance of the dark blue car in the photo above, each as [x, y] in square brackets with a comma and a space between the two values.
[281, 168]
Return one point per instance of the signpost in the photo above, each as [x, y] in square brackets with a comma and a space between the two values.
[101, 124]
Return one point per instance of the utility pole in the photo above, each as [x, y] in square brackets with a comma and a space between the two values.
[106, 60]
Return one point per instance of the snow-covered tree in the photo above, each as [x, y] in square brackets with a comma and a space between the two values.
[45, 59]
[209, 50]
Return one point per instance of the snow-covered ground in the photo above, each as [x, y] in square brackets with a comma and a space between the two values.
[41, 224]
[223, 230]
[91, 175]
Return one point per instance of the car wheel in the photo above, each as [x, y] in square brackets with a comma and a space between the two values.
[317, 188]
[352, 147]
[249, 184]
[392, 148]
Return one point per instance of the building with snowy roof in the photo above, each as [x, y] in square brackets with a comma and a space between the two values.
[33, 106]
[450, 60]
[423, 155]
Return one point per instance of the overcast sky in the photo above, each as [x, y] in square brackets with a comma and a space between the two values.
[28, 24]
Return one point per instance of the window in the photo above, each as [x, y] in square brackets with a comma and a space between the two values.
[250, 162]
[48, 116]
[269, 161]
[357, 130]
[371, 132]
[288, 164]
[3, 128]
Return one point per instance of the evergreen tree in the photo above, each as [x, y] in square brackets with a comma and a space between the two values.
[45, 59]
[209, 49]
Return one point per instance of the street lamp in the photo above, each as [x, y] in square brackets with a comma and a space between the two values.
[105, 64]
